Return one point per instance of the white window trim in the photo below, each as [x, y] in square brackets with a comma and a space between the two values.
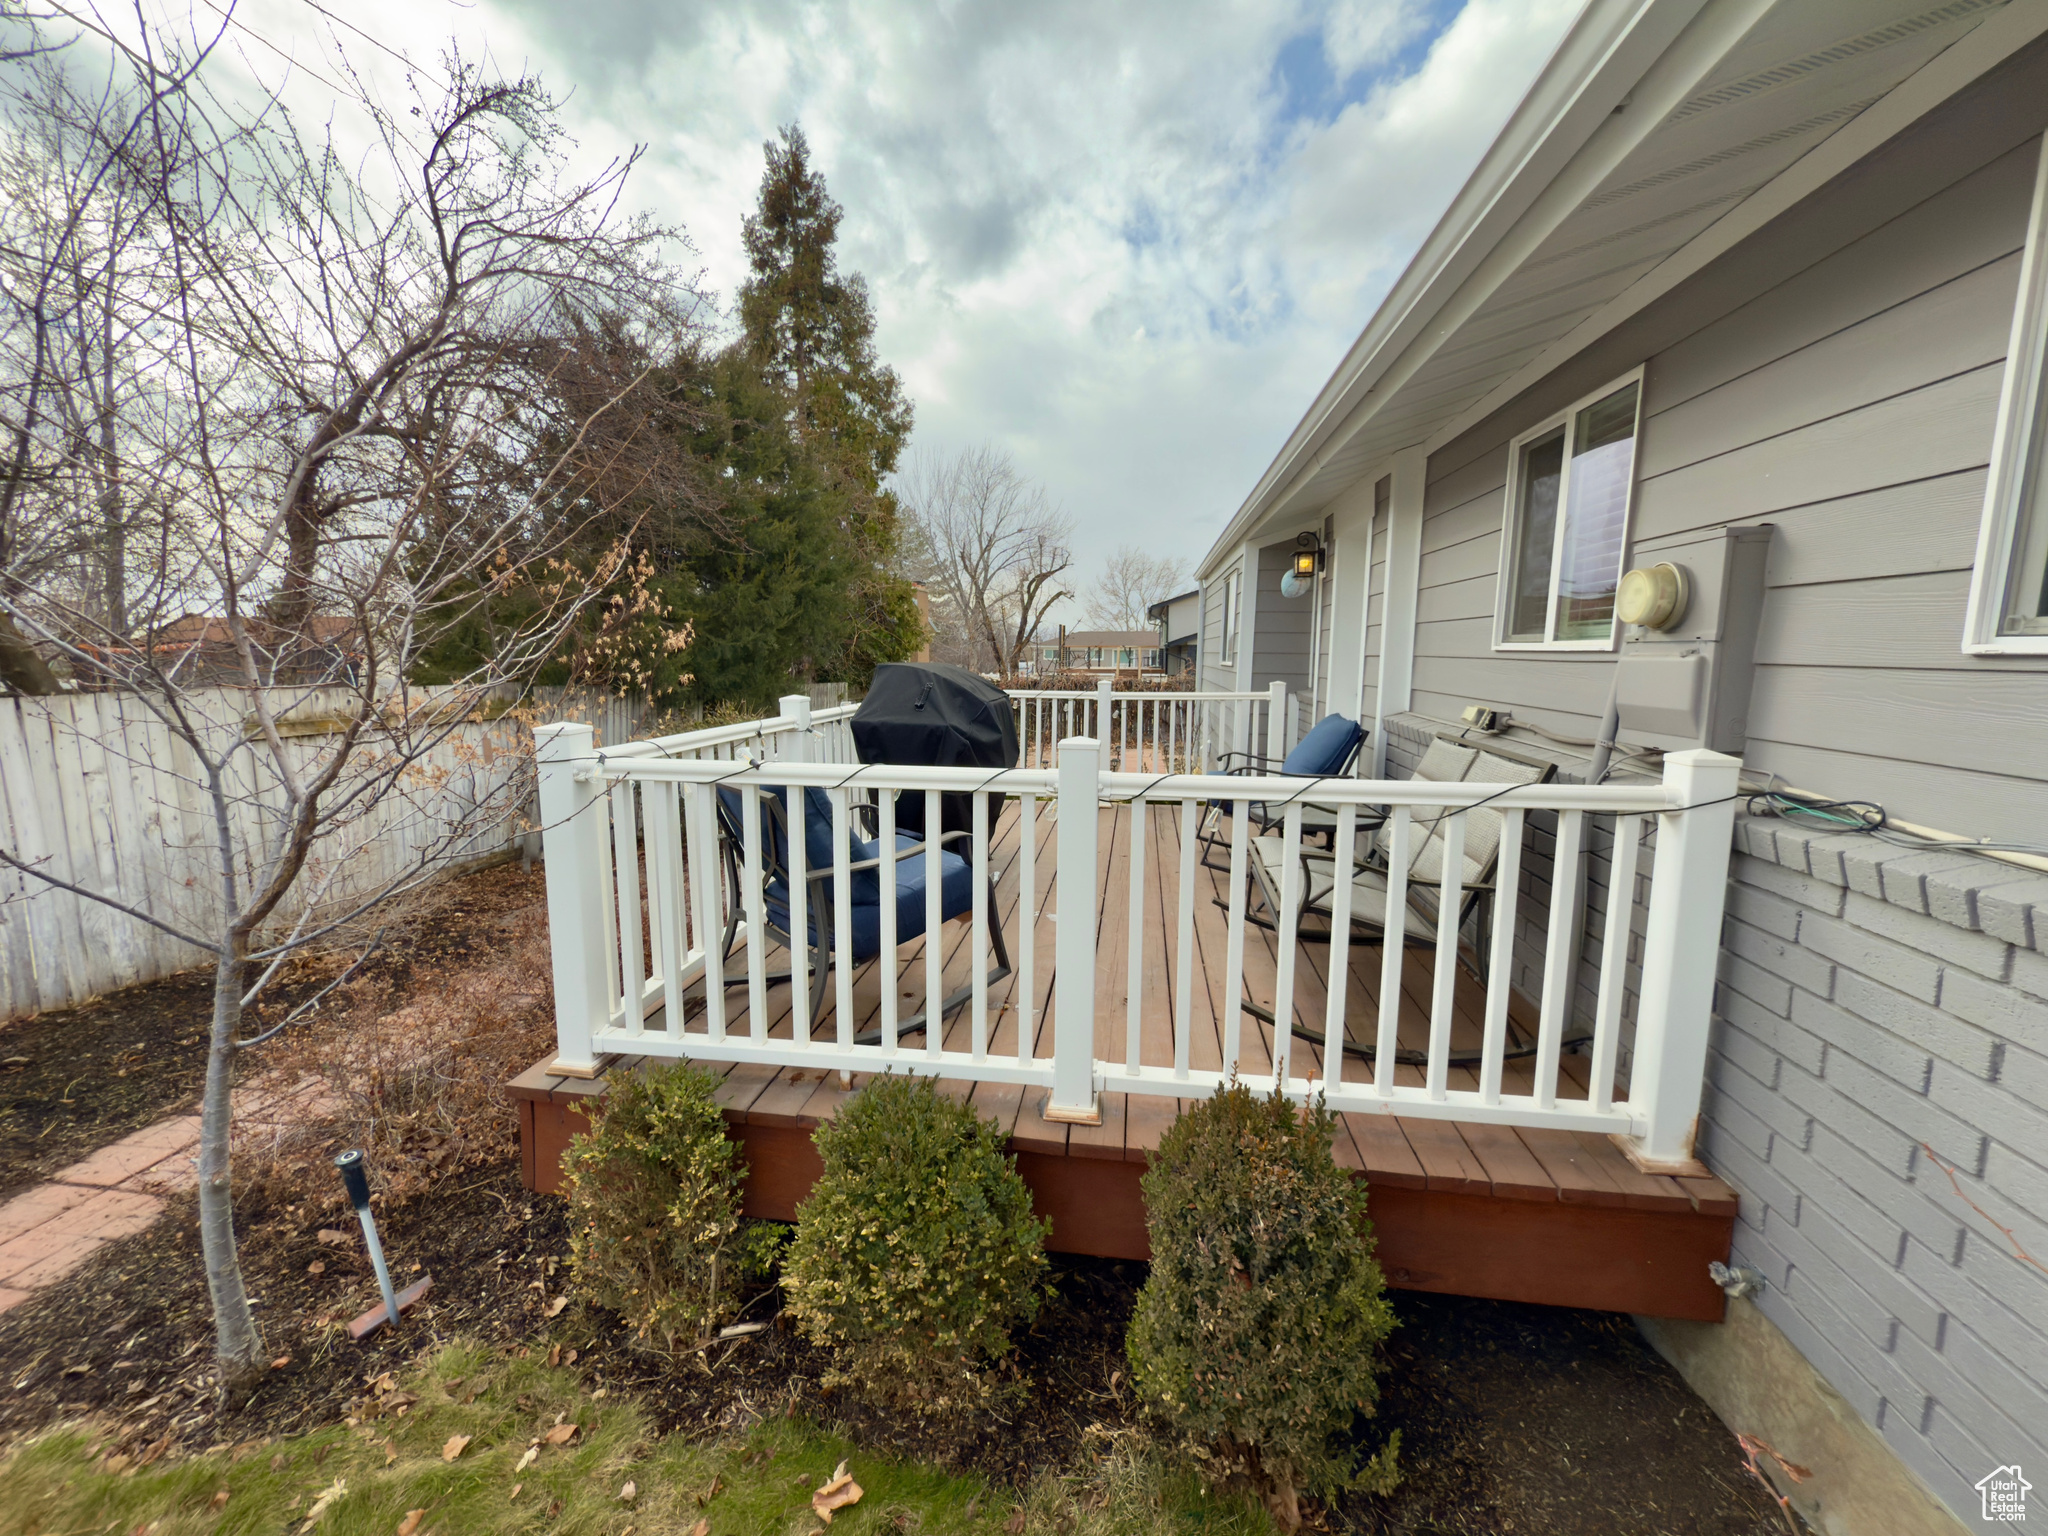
[1513, 501]
[2019, 401]
[1226, 646]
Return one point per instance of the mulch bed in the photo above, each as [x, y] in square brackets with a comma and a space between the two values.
[77, 1079]
[1513, 1418]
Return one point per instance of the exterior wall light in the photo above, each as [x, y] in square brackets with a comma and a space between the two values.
[1300, 574]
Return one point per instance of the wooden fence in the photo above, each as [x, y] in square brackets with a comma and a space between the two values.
[95, 789]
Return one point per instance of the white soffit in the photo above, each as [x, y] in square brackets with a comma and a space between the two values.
[1747, 92]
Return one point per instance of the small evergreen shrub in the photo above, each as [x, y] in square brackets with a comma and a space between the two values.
[1257, 1332]
[654, 1207]
[916, 1251]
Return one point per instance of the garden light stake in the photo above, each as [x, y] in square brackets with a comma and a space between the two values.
[355, 1178]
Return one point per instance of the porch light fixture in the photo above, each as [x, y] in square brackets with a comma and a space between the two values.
[1301, 571]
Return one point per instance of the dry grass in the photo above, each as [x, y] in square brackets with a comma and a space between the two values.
[412, 1059]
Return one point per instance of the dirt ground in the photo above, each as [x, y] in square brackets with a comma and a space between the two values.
[1514, 1419]
[74, 1080]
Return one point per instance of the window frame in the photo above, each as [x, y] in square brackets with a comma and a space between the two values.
[1512, 500]
[2019, 415]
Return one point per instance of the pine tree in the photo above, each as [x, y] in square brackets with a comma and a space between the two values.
[812, 331]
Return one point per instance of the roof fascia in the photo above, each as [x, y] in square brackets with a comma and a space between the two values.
[1952, 70]
[1594, 69]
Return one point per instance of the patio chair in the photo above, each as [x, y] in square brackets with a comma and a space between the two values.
[1369, 871]
[1327, 751]
[864, 862]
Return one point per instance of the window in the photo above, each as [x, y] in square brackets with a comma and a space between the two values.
[1569, 487]
[2008, 611]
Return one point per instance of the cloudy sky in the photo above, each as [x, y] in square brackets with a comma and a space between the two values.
[1126, 242]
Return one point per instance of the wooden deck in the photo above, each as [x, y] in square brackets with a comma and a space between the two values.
[1536, 1215]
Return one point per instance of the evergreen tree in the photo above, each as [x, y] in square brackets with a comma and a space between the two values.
[812, 331]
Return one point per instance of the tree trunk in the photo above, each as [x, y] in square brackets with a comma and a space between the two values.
[238, 1346]
[22, 667]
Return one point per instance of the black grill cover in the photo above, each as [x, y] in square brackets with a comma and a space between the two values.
[930, 715]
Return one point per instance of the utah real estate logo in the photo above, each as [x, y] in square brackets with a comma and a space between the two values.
[2005, 1495]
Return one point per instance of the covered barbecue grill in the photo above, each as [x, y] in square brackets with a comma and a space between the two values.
[930, 715]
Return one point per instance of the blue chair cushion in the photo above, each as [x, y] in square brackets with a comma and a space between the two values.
[956, 876]
[1325, 749]
[956, 895]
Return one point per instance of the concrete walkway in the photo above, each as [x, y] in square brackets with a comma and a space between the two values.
[48, 1231]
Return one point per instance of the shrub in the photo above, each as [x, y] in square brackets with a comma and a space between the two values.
[654, 1207]
[1256, 1333]
[916, 1251]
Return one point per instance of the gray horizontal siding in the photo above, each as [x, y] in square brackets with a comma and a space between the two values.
[1852, 405]
[1280, 649]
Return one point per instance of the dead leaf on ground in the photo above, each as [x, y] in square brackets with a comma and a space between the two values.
[532, 1455]
[717, 1483]
[839, 1491]
[330, 1237]
[1014, 1526]
[390, 1453]
[515, 1491]
[554, 1308]
[629, 1493]
[411, 1522]
[456, 1445]
[561, 1434]
[701, 1528]
[280, 1362]
[220, 1501]
[555, 1355]
[327, 1496]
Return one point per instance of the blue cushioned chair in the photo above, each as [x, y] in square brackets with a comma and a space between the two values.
[1327, 751]
[864, 866]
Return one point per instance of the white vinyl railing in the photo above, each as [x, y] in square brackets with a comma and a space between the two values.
[1157, 730]
[645, 819]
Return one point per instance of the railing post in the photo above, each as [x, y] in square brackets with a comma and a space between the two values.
[1105, 733]
[1073, 1005]
[796, 710]
[1276, 721]
[1681, 951]
[572, 821]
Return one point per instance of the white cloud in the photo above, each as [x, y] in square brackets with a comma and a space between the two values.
[1127, 242]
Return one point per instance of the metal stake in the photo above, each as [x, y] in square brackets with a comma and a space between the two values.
[355, 1178]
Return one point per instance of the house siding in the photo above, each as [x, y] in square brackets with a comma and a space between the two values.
[1852, 406]
[1375, 601]
[1280, 626]
[1882, 1015]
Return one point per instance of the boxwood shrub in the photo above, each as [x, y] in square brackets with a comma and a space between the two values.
[1257, 1333]
[654, 1207]
[916, 1251]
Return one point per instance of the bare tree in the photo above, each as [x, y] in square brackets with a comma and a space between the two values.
[399, 424]
[996, 548]
[1130, 582]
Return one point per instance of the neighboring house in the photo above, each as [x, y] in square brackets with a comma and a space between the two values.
[1731, 265]
[1180, 629]
[1129, 652]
